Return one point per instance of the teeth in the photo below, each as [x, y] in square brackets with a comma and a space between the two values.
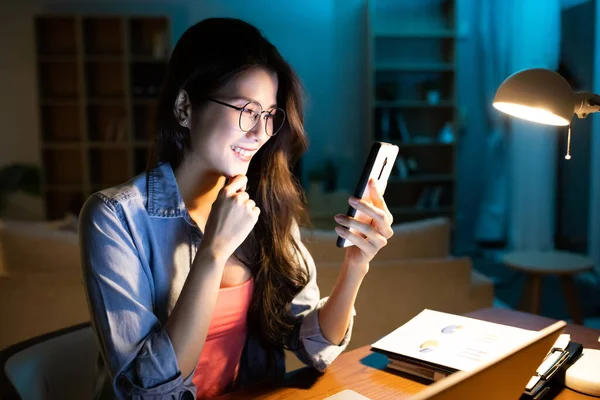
[243, 152]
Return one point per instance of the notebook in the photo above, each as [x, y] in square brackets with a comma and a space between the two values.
[498, 379]
[447, 343]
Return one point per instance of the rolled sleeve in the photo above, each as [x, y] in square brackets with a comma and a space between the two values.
[135, 346]
[312, 348]
[177, 388]
[320, 351]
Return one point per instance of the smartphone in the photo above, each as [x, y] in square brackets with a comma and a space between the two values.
[378, 166]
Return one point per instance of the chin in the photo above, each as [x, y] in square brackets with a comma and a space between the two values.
[234, 171]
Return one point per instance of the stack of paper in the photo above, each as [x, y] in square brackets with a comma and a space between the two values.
[433, 344]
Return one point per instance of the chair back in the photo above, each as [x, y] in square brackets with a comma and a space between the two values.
[58, 365]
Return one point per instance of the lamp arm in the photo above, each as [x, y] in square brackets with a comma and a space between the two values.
[586, 103]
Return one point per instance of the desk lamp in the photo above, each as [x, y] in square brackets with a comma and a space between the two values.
[543, 96]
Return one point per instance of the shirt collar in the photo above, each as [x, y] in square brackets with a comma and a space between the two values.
[164, 198]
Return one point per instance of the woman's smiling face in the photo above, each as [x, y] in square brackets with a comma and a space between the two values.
[218, 142]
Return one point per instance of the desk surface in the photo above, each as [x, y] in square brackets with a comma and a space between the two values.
[365, 372]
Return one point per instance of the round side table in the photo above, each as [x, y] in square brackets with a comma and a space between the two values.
[536, 264]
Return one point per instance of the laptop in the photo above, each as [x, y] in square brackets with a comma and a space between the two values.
[500, 379]
[504, 378]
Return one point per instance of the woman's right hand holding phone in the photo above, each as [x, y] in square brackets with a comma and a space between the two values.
[232, 218]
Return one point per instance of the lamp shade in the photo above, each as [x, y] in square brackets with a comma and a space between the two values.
[537, 95]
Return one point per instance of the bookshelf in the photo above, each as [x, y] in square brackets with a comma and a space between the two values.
[412, 102]
[98, 83]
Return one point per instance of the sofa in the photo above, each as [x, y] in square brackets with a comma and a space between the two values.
[40, 280]
[41, 288]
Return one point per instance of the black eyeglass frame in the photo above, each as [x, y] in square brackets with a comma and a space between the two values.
[241, 109]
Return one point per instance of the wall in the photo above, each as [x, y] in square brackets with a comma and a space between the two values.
[594, 183]
[18, 111]
[470, 154]
[578, 56]
[19, 139]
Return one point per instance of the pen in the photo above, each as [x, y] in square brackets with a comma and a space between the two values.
[548, 363]
[556, 366]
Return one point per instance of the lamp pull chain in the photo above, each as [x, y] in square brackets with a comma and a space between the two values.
[568, 156]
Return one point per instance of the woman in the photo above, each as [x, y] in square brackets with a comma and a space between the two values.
[195, 273]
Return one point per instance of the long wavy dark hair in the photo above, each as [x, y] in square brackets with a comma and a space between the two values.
[209, 55]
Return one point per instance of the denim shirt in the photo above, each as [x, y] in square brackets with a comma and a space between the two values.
[138, 243]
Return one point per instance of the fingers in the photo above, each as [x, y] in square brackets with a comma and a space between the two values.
[254, 210]
[372, 235]
[377, 197]
[247, 201]
[243, 199]
[251, 206]
[236, 191]
[361, 242]
[382, 219]
[236, 184]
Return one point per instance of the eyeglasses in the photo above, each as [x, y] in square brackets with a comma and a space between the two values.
[251, 113]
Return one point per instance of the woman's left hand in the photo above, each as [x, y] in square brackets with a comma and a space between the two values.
[368, 239]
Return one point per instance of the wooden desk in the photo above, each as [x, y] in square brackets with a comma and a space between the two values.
[365, 372]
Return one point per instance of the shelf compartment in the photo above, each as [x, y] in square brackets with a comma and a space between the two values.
[419, 50]
[108, 145]
[141, 157]
[418, 17]
[415, 32]
[105, 80]
[57, 59]
[61, 124]
[56, 36]
[109, 166]
[149, 59]
[104, 58]
[62, 146]
[52, 101]
[419, 125]
[428, 161]
[58, 80]
[103, 36]
[409, 214]
[146, 79]
[63, 167]
[107, 123]
[422, 179]
[421, 211]
[144, 122]
[63, 188]
[59, 202]
[430, 86]
[149, 37]
[421, 196]
[434, 145]
[414, 66]
[145, 101]
[414, 104]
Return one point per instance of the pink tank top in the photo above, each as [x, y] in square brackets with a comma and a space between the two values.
[220, 358]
